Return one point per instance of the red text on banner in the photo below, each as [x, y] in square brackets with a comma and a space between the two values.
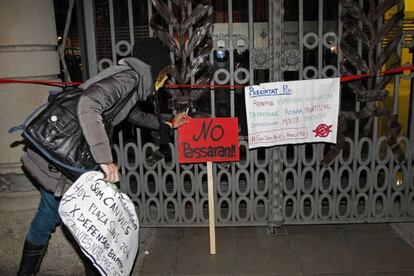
[209, 140]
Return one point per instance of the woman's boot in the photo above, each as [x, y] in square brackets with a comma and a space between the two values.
[31, 258]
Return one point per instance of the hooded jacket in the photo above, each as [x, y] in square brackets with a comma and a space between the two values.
[101, 94]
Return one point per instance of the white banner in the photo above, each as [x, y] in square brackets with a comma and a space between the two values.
[103, 222]
[292, 112]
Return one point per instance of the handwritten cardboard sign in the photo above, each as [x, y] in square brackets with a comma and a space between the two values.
[292, 112]
[103, 222]
[209, 140]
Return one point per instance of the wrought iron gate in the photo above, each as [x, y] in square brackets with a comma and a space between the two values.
[254, 42]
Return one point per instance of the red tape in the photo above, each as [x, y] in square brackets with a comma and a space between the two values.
[52, 83]
[344, 79]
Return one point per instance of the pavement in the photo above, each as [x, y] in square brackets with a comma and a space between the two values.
[352, 249]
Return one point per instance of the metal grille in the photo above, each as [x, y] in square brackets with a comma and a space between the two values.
[363, 185]
[263, 41]
[170, 194]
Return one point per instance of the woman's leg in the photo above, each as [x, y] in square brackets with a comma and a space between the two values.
[45, 220]
[43, 224]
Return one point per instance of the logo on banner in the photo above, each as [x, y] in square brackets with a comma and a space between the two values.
[322, 130]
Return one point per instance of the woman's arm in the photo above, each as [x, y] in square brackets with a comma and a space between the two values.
[97, 99]
[149, 120]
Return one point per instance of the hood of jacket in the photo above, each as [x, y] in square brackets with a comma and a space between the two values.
[146, 82]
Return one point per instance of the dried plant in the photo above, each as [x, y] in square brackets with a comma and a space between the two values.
[364, 24]
[191, 44]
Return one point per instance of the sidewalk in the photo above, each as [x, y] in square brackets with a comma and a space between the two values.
[360, 249]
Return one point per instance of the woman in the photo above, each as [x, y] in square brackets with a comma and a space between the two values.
[109, 90]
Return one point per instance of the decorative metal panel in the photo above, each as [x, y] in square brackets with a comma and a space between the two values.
[170, 194]
[364, 184]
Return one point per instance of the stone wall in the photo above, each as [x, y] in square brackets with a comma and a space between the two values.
[28, 51]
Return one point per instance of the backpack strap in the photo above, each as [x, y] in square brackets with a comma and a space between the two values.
[112, 113]
[50, 157]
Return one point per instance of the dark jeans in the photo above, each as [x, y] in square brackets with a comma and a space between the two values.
[45, 220]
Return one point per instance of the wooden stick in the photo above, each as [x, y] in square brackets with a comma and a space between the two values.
[211, 213]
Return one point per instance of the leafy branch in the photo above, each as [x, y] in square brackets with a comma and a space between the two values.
[364, 24]
[190, 43]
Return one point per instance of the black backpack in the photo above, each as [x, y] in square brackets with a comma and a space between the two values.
[55, 133]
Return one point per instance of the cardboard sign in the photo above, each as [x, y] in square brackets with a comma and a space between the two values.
[103, 222]
[209, 140]
[292, 112]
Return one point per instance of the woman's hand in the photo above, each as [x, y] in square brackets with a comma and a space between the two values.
[111, 172]
[179, 120]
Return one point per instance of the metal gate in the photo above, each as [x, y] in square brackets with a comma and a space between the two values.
[255, 42]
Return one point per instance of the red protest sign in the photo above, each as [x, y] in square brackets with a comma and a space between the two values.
[209, 140]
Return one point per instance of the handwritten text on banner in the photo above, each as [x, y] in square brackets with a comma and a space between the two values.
[292, 112]
[103, 222]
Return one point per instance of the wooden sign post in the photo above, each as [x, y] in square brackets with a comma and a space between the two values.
[209, 140]
[211, 212]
